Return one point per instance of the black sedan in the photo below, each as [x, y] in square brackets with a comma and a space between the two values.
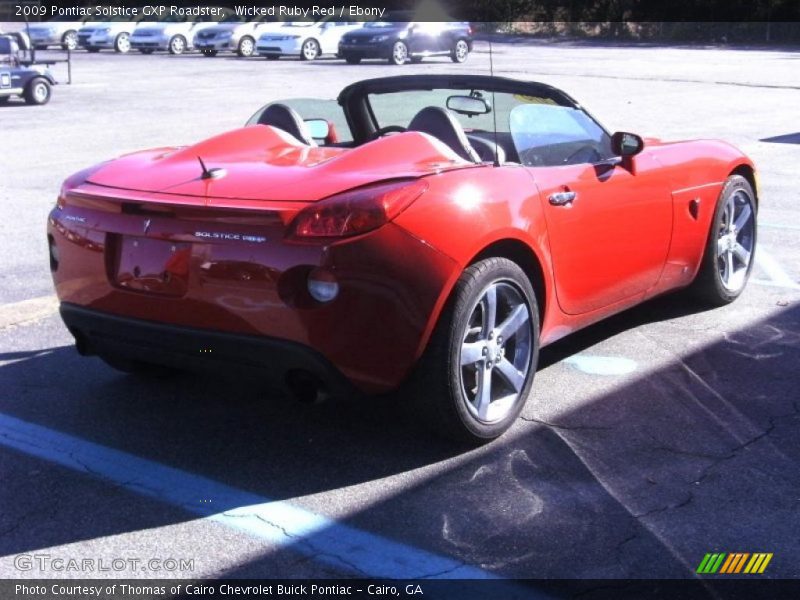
[399, 41]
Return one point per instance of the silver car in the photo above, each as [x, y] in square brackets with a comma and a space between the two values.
[60, 31]
[175, 33]
[234, 35]
[112, 35]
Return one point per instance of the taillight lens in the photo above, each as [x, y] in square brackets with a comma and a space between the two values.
[357, 211]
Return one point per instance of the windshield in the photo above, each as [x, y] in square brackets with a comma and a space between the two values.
[532, 130]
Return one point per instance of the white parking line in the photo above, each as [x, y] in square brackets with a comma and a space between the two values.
[27, 310]
[276, 522]
[778, 277]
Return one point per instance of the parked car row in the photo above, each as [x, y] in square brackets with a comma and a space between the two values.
[397, 37]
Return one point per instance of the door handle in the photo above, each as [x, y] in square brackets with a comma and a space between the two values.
[562, 198]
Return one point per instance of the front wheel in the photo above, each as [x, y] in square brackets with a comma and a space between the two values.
[38, 91]
[247, 47]
[477, 372]
[728, 257]
[399, 54]
[177, 45]
[460, 51]
[310, 49]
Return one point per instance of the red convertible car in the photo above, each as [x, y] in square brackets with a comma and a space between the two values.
[431, 231]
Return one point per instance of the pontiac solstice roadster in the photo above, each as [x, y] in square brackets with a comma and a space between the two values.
[425, 231]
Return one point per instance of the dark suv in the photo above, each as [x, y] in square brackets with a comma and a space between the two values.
[399, 39]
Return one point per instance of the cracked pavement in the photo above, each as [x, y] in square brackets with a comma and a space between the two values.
[634, 473]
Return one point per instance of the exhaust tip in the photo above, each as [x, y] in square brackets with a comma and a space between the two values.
[306, 387]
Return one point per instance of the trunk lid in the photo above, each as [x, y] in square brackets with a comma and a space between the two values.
[263, 163]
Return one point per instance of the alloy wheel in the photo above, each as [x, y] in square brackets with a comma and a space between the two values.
[461, 51]
[496, 351]
[735, 240]
[246, 47]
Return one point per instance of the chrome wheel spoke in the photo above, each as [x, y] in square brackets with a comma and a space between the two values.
[490, 309]
[742, 253]
[472, 352]
[728, 266]
[510, 373]
[484, 396]
[743, 218]
[515, 320]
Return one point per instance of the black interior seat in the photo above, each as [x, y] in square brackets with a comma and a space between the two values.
[286, 119]
[487, 150]
[442, 125]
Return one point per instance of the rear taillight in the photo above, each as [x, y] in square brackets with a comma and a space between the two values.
[357, 211]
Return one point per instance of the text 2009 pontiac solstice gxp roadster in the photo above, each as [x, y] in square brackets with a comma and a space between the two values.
[397, 238]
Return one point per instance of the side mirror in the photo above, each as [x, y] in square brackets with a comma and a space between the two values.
[626, 144]
[319, 129]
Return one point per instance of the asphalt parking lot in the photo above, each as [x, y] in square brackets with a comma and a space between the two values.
[649, 440]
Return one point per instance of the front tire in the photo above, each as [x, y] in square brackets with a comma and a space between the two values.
[310, 49]
[399, 54]
[477, 372]
[247, 47]
[177, 45]
[730, 248]
[38, 91]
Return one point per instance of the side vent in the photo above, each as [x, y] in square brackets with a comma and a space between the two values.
[694, 208]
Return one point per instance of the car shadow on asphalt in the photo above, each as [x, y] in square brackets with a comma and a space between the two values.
[698, 456]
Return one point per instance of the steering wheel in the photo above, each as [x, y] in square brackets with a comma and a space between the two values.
[583, 154]
[388, 129]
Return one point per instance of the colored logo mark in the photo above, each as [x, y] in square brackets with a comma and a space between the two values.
[735, 562]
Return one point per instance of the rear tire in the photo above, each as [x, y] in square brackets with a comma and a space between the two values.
[38, 91]
[122, 44]
[310, 49]
[177, 45]
[730, 248]
[247, 47]
[476, 374]
[69, 41]
[460, 52]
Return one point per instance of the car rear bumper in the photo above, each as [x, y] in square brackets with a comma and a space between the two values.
[390, 284]
[99, 333]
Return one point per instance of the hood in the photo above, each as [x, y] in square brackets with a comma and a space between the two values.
[264, 163]
[294, 30]
[214, 29]
[369, 32]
